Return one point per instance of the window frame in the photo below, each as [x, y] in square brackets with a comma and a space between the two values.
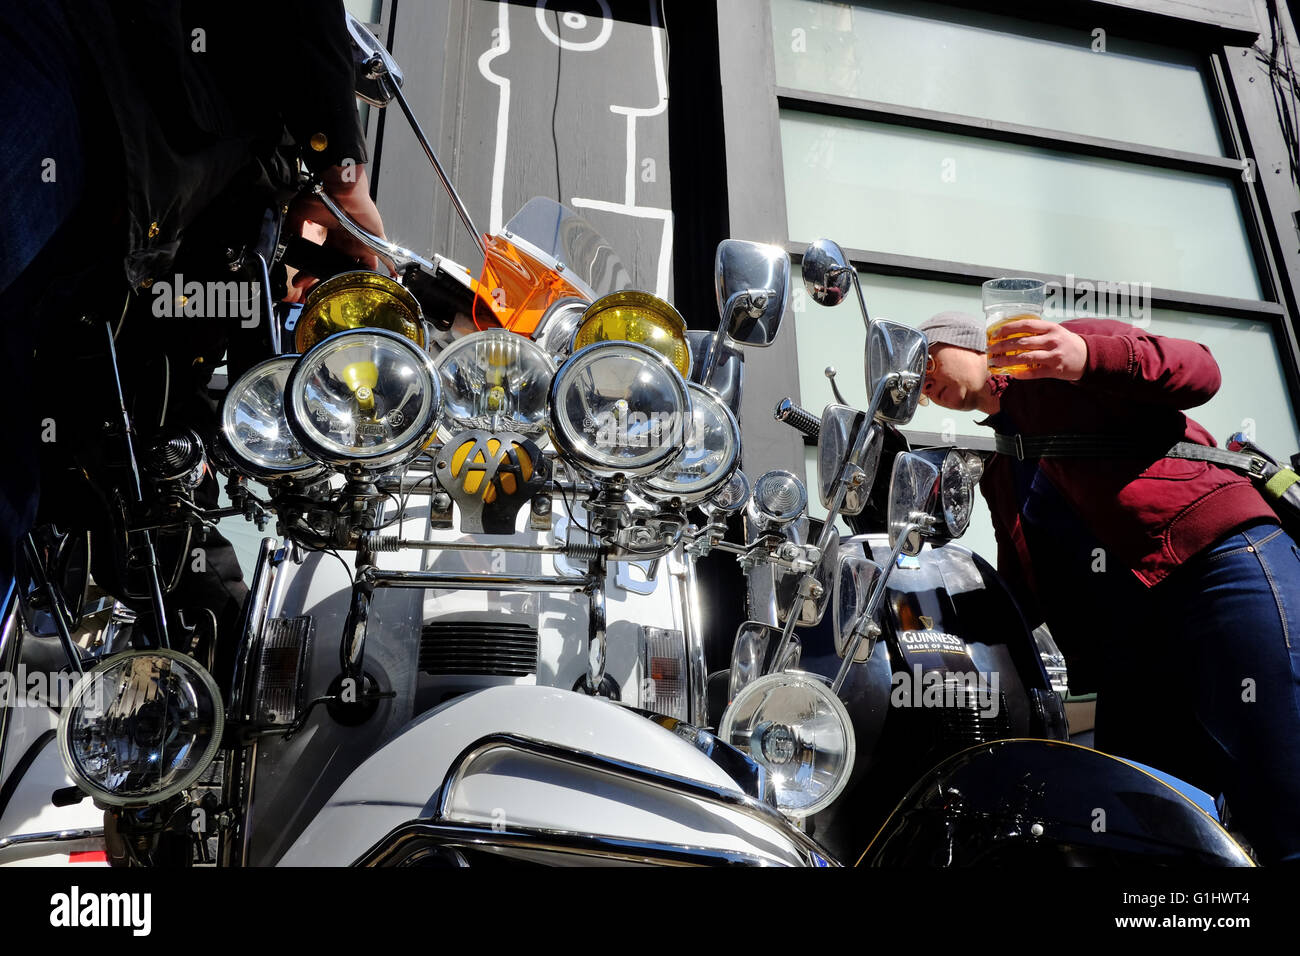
[752, 105]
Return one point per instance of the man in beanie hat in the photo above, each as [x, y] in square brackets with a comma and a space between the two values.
[1174, 574]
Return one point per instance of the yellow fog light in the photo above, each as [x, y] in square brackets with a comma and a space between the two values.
[637, 317]
[358, 300]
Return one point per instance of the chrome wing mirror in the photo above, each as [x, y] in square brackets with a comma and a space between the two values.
[753, 288]
[896, 358]
[372, 85]
[828, 275]
[841, 457]
[750, 655]
[856, 581]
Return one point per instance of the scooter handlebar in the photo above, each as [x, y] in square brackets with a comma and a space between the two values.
[798, 418]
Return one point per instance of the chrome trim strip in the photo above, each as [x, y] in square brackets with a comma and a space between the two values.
[470, 582]
[11, 638]
[51, 836]
[636, 773]
[396, 848]
[258, 605]
[693, 628]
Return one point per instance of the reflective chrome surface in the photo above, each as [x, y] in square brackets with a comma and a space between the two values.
[753, 288]
[827, 274]
[896, 359]
[736, 800]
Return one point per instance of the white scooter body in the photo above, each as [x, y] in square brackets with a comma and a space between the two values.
[504, 789]
[29, 809]
[385, 771]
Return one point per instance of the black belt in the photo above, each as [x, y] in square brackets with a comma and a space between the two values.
[1022, 448]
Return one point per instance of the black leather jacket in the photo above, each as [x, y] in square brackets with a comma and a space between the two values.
[212, 102]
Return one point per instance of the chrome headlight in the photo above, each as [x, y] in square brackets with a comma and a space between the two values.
[254, 426]
[794, 726]
[710, 457]
[732, 496]
[495, 381]
[367, 398]
[559, 326]
[956, 493]
[639, 317]
[618, 408]
[779, 498]
[141, 727]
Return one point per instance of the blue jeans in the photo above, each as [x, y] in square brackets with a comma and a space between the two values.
[1204, 682]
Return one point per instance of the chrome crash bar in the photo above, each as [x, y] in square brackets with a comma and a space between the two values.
[405, 843]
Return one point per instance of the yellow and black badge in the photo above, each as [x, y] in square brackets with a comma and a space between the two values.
[491, 476]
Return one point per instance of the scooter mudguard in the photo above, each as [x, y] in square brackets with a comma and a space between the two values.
[1045, 802]
[541, 774]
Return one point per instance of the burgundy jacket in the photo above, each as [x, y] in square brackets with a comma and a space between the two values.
[1151, 515]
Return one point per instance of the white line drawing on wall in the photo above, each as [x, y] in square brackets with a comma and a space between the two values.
[627, 206]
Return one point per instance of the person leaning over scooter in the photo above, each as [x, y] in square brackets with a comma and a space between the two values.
[1174, 575]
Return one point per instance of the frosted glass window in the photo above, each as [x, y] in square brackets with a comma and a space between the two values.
[939, 196]
[367, 11]
[929, 56]
[1253, 396]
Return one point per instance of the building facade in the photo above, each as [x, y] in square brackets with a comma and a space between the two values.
[1140, 156]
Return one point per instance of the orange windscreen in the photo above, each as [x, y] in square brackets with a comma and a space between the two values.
[521, 289]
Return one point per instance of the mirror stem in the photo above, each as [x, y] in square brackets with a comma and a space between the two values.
[714, 355]
[859, 443]
[862, 302]
[379, 69]
[157, 604]
[833, 513]
[787, 635]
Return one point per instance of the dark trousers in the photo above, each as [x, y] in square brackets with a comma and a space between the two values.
[1202, 680]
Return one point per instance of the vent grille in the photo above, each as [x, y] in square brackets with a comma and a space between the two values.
[492, 649]
[968, 723]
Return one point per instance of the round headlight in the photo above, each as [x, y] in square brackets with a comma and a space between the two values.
[358, 300]
[710, 456]
[732, 496]
[800, 732]
[141, 727]
[365, 398]
[956, 492]
[254, 426]
[637, 317]
[619, 408]
[780, 497]
[560, 325]
[495, 381]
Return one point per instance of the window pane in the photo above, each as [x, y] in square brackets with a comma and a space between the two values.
[939, 196]
[929, 56]
[1253, 394]
[367, 11]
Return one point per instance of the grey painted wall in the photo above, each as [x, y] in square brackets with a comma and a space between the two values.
[567, 101]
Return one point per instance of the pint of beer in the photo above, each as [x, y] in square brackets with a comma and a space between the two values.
[1008, 300]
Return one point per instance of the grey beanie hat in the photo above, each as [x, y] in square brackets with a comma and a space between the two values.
[956, 328]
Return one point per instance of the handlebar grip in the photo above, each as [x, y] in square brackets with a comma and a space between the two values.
[799, 418]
